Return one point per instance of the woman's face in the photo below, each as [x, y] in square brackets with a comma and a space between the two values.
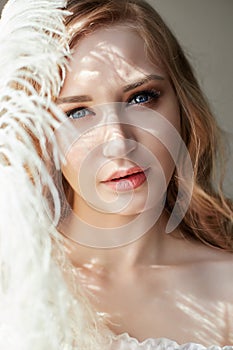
[125, 116]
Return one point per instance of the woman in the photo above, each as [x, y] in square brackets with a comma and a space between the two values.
[139, 145]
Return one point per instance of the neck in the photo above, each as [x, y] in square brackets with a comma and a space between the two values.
[149, 249]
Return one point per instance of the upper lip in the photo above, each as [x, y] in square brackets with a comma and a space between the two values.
[122, 173]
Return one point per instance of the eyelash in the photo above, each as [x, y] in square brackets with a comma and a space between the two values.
[75, 110]
[152, 94]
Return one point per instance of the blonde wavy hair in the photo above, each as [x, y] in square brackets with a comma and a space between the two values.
[42, 305]
[209, 216]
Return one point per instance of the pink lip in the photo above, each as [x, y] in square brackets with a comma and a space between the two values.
[123, 173]
[126, 180]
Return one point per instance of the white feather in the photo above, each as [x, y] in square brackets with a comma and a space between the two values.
[37, 309]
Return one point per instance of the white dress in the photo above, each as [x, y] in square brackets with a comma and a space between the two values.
[125, 342]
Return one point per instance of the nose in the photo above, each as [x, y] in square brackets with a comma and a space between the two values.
[119, 140]
[118, 147]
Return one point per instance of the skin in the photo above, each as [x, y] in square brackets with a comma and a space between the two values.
[159, 285]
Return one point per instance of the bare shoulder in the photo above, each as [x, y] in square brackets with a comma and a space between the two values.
[213, 269]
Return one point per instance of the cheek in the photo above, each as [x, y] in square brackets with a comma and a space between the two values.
[169, 108]
[163, 158]
[166, 148]
[76, 157]
[172, 114]
[71, 168]
[163, 142]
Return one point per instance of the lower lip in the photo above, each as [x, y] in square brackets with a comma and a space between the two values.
[131, 182]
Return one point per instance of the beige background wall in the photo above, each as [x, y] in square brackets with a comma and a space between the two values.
[205, 29]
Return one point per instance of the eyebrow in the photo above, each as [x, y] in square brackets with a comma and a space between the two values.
[129, 87]
[73, 99]
[143, 81]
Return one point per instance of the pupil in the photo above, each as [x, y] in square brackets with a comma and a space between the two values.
[80, 114]
[141, 98]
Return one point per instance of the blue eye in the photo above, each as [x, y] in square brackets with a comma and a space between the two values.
[78, 113]
[144, 97]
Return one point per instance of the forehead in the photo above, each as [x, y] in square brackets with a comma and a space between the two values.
[117, 48]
